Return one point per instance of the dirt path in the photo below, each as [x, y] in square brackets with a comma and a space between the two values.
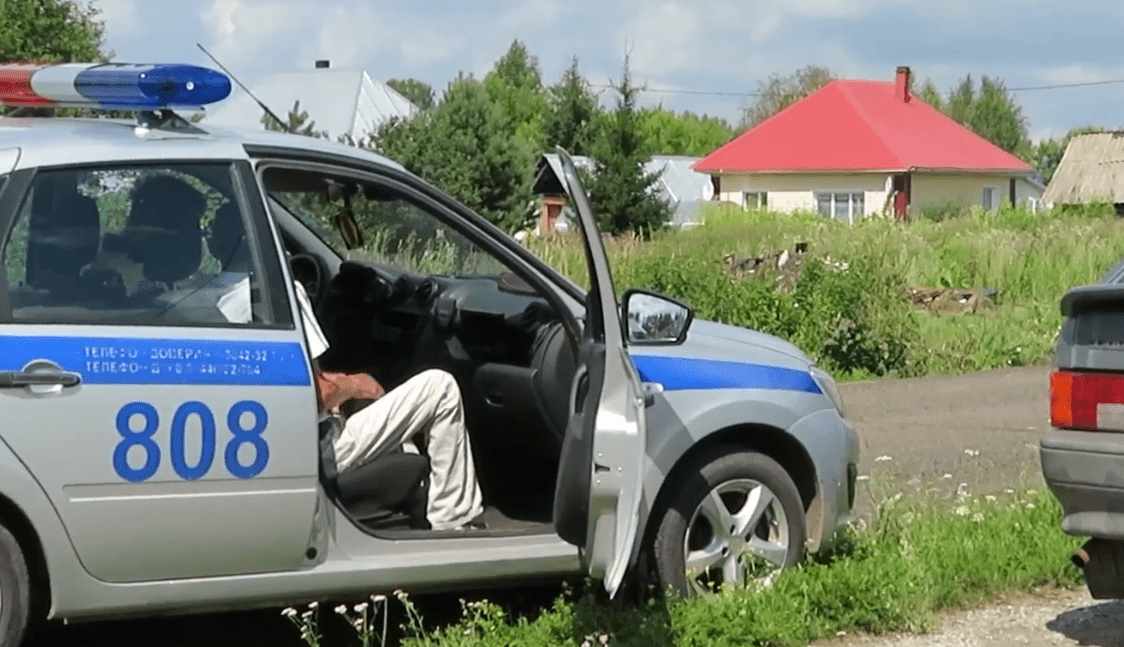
[941, 431]
[981, 430]
[1055, 618]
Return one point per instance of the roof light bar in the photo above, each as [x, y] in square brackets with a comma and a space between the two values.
[115, 86]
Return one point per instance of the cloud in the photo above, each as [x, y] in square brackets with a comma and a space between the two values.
[241, 29]
[1080, 73]
[120, 15]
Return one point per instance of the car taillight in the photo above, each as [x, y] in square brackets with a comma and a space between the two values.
[1092, 401]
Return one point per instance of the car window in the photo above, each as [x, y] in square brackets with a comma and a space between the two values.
[129, 244]
[397, 231]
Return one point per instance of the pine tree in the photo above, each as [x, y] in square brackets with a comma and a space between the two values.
[620, 189]
[571, 113]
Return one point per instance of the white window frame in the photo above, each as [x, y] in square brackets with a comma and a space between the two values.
[852, 217]
[994, 198]
[755, 200]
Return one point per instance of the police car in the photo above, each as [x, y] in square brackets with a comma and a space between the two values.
[160, 448]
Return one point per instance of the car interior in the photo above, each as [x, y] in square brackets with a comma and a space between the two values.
[428, 298]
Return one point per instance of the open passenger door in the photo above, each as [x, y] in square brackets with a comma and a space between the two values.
[597, 497]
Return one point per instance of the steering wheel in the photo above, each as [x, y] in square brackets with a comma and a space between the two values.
[306, 269]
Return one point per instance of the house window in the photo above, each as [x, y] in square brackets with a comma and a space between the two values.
[844, 207]
[757, 200]
[989, 201]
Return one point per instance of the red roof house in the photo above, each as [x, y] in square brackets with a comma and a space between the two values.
[859, 147]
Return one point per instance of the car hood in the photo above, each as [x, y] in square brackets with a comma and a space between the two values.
[721, 341]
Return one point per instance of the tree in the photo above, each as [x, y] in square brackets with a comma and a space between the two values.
[418, 92]
[296, 122]
[779, 92]
[1047, 154]
[465, 147]
[669, 133]
[515, 84]
[571, 113]
[620, 189]
[991, 112]
[50, 30]
[931, 95]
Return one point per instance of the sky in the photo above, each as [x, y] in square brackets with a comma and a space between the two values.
[706, 56]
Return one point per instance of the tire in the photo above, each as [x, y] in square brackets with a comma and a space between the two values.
[688, 524]
[15, 590]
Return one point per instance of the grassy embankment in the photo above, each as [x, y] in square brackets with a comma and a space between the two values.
[914, 560]
[858, 322]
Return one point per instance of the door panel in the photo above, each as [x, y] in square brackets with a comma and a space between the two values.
[603, 451]
[172, 416]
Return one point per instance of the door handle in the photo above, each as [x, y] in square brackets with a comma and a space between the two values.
[18, 379]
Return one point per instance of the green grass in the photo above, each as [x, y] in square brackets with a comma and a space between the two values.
[915, 559]
[858, 322]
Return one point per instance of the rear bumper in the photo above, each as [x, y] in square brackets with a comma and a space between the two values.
[1085, 471]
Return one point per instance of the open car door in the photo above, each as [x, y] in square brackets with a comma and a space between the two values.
[597, 498]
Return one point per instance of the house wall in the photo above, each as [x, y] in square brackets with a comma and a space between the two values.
[791, 192]
[938, 190]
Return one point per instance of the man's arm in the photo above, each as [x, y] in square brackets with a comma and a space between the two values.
[333, 389]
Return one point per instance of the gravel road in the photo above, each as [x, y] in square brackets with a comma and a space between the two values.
[923, 434]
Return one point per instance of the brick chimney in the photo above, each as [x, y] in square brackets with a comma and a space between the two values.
[901, 86]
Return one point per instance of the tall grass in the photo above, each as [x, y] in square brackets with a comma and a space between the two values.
[914, 560]
[859, 322]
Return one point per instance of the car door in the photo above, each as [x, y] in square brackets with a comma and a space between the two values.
[597, 497]
[151, 377]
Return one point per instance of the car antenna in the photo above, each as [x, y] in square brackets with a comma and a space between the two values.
[284, 126]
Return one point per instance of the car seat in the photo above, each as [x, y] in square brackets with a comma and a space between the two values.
[163, 230]
[384, 492]
[227, 238]
[64, 233]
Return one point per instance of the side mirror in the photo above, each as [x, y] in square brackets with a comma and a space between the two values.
[652, 318]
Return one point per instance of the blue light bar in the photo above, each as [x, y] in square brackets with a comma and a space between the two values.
[117, 86]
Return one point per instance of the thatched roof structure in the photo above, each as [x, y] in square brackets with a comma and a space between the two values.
[1091, 169]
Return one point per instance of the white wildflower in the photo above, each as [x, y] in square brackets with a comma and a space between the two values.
[361, 607]
[313, 605]
[862, 478]
[289, 612]
[378, 598]
[1008, 491]
[342, 609]
[962, 511]
[978, 517]
[972, 452]
[306, 615]
[883, 458]
[1030, 506]
[946, 476]
[990, 497]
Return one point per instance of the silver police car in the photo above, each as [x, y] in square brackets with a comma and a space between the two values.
[160, 445]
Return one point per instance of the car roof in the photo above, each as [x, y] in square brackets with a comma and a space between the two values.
[51, 141]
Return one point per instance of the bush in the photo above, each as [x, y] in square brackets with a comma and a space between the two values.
[858, 322]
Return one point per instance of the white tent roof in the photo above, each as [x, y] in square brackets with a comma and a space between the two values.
[341, 102]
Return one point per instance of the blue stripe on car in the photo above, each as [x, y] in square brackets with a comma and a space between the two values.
[683, 373]
[128, 360]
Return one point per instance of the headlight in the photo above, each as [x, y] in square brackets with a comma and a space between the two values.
[827, 384]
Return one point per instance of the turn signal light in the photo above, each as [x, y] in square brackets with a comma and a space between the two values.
[1089, 401]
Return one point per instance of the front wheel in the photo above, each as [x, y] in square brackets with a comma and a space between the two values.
[15, 590]
[736, 521]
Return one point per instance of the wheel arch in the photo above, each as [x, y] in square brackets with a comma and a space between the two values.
[777, 444]
[13, 517]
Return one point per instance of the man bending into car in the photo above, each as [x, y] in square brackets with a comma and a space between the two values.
[428, 403]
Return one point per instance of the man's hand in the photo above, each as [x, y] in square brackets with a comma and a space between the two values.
[336, 388]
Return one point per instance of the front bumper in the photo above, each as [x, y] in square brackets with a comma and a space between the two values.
[1085, 471]
[824, 434]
